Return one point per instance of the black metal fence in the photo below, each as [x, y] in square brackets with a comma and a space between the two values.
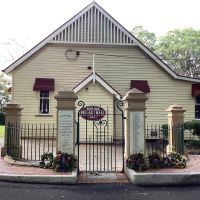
[157, 138]
[192, 143]
[29, 141]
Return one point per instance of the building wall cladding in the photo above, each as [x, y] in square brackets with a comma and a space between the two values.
[117, 65]
[96, 95]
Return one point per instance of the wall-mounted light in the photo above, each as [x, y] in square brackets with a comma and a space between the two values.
[89, 67]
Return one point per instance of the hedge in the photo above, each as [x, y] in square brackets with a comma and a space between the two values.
[2, 118]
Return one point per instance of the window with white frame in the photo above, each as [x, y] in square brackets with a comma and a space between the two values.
[44, 102]
[197, 107]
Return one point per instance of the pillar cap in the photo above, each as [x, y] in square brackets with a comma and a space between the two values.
[135, 94]
[175, 107]
[13, 106]
[66, 95]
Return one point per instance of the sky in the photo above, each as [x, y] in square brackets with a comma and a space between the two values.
[24, 23]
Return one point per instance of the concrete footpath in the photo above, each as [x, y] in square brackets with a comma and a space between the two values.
[27, 172]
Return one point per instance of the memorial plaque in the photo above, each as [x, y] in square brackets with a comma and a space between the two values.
[65, 131]
[92, 113]
[136, 132]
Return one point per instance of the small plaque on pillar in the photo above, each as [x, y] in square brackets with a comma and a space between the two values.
[65, 131]
[136, 132]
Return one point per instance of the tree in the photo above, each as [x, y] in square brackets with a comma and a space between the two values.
[181, 50]
[10, 51]
[5, 83]
[146, 37]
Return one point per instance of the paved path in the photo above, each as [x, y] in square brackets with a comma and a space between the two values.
[7, 168]
[193, 166]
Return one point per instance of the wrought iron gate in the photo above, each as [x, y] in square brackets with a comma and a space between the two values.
[100, 138]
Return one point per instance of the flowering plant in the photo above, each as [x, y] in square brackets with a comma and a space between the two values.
[177, 160]
[136, 162]
[64, 162]
[46, 161]
[174, 160]
[154, 160]
[166, 162]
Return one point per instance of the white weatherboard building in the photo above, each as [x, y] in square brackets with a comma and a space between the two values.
[96, 57]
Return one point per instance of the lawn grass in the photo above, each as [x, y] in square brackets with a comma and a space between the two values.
[1, 131]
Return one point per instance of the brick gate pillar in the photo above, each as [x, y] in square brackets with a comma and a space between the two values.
[135, 122]
[175, 118]
[12, 119]
[66, 121]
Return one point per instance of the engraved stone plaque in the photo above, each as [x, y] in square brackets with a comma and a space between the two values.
[137, 132]
[65, 131]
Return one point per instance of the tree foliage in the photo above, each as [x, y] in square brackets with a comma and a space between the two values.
[179, 48]
[10, 51]
[146, 37]
[5, 83]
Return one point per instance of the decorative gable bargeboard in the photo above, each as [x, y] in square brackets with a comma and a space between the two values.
[93, 25]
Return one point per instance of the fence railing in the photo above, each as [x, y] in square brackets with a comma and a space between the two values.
[157, 138]
[29, 141]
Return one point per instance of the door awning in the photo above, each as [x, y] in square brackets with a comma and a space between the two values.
[44, 84]
[141, 85]
[195, 90]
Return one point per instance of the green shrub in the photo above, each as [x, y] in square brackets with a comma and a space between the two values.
[165, 131]
[2, 118]
[193, 126]
[193, 143]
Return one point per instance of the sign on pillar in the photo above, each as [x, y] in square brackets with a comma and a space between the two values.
[65, 131]
[137, 132]
[66, 121]
[135, 122]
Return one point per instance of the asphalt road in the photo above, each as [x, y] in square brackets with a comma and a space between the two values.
[18, 191]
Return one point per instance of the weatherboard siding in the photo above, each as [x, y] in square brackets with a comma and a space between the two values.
[117, 66]
[96, 95]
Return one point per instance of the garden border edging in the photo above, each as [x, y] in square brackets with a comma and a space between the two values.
[147, 179]
[25, 178]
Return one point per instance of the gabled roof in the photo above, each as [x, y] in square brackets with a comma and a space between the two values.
[100, 80]
[92, 25]
[93, 22]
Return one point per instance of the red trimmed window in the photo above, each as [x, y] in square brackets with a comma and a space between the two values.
[44, 102]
